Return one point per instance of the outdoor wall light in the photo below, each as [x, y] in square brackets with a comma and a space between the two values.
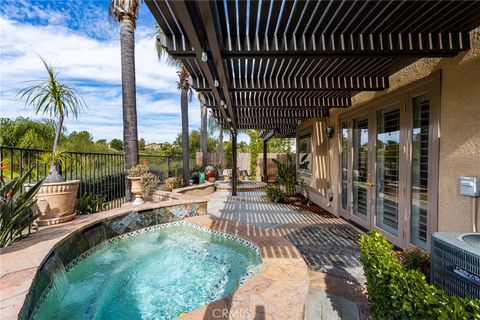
[330, 131]
[216, 83]
[204, 56]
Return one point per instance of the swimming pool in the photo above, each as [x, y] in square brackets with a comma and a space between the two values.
[153, 273]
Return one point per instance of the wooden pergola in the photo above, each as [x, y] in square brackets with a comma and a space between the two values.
[268, 64]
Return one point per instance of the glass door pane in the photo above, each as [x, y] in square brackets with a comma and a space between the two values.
[419, 189]
[360, 167]
[387, 172]
[344, 165]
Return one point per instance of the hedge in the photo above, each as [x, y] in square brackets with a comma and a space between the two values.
[397, 293]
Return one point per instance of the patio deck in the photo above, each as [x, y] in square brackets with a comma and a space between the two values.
[328, 245]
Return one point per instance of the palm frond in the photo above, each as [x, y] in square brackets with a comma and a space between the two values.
[162, 50]
[121, 9]
[51, 97]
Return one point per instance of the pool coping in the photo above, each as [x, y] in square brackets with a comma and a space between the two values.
[278, 291]
[260, 185]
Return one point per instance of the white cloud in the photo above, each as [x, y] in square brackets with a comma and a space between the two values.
[94, 66]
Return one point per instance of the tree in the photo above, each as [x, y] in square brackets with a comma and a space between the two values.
[116, 144]
[185, 95]
[27, 133]
[58, 100]
[141, 144]
[280, 145]
[125, 12]
[203, 129]
[213, 127]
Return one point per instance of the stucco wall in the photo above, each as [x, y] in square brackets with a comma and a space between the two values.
[459, 130]
[321, 161]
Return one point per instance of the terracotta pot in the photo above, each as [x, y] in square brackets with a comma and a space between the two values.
[56, 202]
[211, 179]
[137, 190]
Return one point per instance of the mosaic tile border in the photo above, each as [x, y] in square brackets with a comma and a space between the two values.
[215, 295]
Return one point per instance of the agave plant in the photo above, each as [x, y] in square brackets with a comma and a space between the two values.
[16, 213]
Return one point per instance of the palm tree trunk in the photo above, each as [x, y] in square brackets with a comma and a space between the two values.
[204, 133]
[129, 103]
[221, 151]
[185, 140]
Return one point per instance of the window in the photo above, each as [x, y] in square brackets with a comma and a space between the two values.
[305, 153]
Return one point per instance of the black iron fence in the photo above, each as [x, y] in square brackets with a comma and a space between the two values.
[99, 173]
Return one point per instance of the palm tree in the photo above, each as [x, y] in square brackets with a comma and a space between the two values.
[125, 12]
[203, 129]
[185, 95]
[58, 100]
[214, 126]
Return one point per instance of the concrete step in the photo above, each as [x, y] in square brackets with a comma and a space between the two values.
[323, 306]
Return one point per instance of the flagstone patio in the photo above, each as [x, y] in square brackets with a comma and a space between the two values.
[328, 244]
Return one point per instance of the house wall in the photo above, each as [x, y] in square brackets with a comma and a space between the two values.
[459, 133]
[322, 159]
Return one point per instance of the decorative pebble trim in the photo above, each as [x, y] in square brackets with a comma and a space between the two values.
[217, 288]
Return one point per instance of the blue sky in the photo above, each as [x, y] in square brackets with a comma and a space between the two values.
[83, 43]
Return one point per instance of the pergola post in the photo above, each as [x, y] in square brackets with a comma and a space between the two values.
[234, 162]
[265, 171]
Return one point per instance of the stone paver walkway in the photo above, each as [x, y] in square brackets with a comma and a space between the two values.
[329, 246]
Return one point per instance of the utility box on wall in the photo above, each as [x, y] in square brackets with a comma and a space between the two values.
[470, 186]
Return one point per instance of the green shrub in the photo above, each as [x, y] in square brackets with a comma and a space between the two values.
[16, 213]
[394, 292]
[274, 193]
[88, 204]
[287, 174]
[416, 259]
[174, 182]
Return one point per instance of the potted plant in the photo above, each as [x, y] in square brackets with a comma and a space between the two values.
[195, 174]
[56, 198]
[210, 173]
[134, 174]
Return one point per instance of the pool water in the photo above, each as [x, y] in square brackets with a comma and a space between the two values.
[153, 275]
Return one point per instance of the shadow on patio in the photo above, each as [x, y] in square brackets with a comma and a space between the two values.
[328, 245]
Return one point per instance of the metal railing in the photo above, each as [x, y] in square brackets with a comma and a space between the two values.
[99, 173]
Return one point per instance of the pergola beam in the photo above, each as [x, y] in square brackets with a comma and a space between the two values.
[181, 13]
[212, 29]
[284, 102]
[281, 113]
[408, 45]
[354, 83]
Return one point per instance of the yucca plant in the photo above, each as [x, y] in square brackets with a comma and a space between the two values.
[16, 213]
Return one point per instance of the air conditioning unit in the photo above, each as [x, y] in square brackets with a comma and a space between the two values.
[455, 263]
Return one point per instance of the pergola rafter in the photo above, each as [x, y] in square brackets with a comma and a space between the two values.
[304, 55]
[267, 64]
